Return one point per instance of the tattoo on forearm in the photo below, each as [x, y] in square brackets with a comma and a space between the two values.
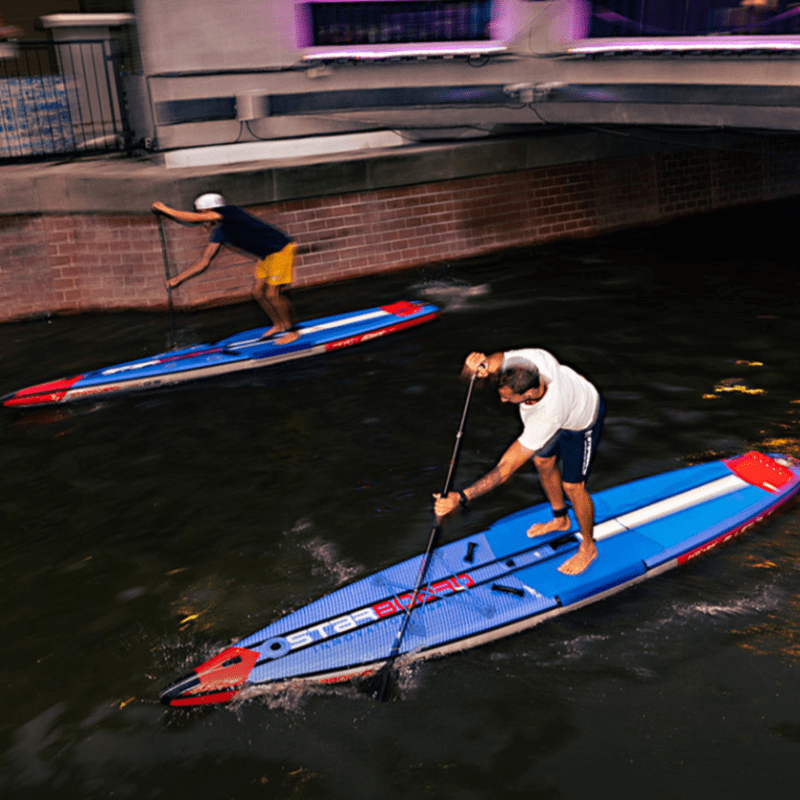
[489, 481]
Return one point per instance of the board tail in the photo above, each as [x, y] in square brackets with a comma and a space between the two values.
[761, 470]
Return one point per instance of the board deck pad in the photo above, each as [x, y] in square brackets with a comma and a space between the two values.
[498, 581]
[242, 351]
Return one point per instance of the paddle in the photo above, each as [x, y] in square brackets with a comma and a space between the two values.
[167, 275]
[426, 559]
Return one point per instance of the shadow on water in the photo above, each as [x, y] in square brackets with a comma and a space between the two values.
[144, 533]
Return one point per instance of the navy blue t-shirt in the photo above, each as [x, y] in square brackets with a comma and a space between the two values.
[243, 231]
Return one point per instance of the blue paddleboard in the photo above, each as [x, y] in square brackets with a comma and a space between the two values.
[243, 351]
[498, 582]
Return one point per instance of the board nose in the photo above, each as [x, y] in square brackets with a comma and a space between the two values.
[41, 394]
[218, 680]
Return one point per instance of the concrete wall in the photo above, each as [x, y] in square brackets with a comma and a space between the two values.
[200, 59]
[184, 36]
[187, 36]
[197, 57]
[97, 247]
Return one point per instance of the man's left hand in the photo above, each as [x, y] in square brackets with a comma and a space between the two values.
[445, 505]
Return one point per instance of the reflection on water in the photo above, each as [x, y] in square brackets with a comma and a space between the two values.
[145, 533]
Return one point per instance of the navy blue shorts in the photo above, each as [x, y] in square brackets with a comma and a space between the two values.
[576, 449]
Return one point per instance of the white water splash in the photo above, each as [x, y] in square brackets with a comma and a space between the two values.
[451, 295]
[325, 554]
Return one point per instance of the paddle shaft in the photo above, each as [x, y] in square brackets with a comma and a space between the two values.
[165, 259]
[426, 559]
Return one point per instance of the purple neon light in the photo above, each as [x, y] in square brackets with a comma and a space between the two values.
[405, 51]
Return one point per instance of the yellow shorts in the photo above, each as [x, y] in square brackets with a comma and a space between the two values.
[276, 268]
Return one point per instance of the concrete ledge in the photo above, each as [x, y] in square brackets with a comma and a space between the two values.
[113, 185]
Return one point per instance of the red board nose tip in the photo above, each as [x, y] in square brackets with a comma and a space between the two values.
[52, 392]
[218, 680]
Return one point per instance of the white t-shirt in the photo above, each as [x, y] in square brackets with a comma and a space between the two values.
[571, 402]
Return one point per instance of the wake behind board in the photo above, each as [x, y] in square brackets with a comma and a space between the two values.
[499, 582]
[243, 351]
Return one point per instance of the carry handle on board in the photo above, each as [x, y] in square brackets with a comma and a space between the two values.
[426, 559]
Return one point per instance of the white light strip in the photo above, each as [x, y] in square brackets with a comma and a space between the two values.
[686, 43]
[303, 331]
[404, 51]
[212, 155]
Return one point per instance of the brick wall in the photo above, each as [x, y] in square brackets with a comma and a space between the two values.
[62, 263]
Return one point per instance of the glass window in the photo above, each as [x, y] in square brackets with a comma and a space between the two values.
[616, 18]
[388, 22]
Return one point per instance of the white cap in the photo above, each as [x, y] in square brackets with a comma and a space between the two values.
[208, 201]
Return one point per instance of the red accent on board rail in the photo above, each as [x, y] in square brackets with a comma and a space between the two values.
[733, 533]
[761, 471]
[52, 392]
[205, 700]
[363, 337]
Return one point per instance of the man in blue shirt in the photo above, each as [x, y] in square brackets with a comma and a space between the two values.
[233, 227]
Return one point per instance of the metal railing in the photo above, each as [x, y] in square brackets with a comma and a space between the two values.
[62, 98]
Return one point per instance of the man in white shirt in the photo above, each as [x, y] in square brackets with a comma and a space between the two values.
[562, 414]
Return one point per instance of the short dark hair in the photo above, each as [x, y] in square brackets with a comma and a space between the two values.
[519, 379]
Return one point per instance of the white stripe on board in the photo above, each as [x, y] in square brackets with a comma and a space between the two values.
[246, 342]
[129, 383]
[324, 327]
[663, 508]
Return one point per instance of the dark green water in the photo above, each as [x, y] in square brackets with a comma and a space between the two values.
[143, 534]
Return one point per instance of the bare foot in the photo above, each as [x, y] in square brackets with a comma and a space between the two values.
[271, 332]
[578, 563]
[555, 524]
[291, 336]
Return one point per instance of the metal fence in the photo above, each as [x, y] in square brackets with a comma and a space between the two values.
[61, 98]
